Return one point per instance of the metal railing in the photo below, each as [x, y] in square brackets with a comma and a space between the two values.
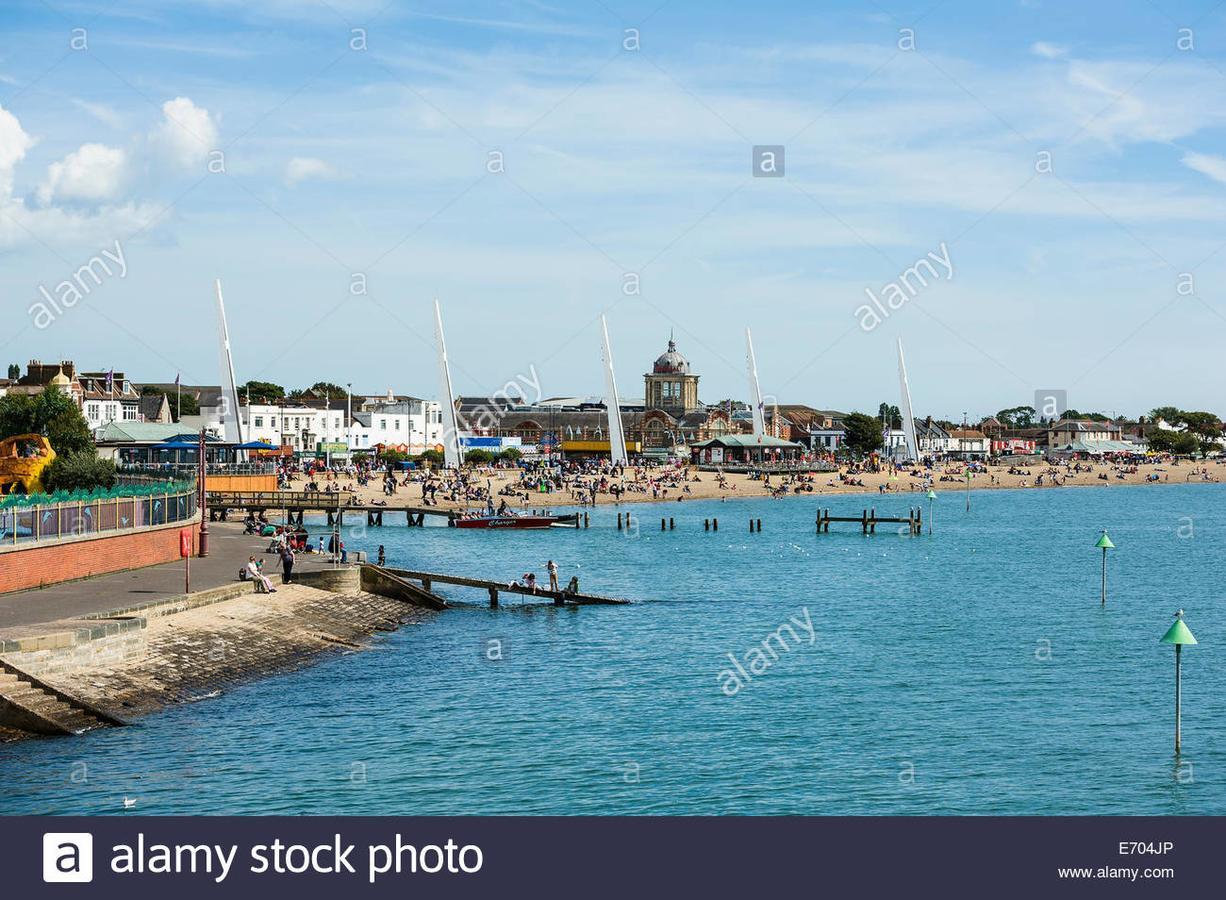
[26, 525]
[183, 469]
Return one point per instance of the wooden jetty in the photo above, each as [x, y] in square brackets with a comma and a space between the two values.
[335, 505]
[494, 588]
[868, 520]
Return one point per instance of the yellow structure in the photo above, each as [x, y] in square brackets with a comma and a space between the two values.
[22, 461]
[599, 448]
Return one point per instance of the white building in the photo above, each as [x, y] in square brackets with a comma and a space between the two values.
[319, 427]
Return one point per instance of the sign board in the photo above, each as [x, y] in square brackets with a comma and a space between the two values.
[717, 454]
[185, 542]
[333, 447]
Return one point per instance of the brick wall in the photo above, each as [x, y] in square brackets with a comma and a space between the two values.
[69, 560]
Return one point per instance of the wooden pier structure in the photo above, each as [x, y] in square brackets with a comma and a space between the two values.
[868, 520]
[494, 588]
[297, 503]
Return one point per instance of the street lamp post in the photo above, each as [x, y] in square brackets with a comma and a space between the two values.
[1178, 634]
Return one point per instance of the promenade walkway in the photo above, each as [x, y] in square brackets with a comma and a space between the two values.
[229, 549]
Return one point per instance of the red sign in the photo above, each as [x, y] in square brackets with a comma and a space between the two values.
[185, 542]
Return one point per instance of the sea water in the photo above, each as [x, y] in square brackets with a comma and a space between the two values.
[971, 671]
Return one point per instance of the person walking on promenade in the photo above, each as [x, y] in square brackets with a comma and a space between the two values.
[382, 556]
[287, 564]
[552, 568]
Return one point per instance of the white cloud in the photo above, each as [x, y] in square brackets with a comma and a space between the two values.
[1213, 166]
[14, 143]
[93, 172]
[1048, 51]
[187, 133]
[302, 168]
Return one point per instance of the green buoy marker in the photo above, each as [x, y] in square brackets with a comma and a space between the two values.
[1178, 634]
[1104, 544]
[932, 495]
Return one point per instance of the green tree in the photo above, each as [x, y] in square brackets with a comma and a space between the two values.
[1184, 443]
[51, 413]
[433, 457]
[862, 433]
[79, 472]
[190, 406]
[1017, 417]
[1168, 414]
[511, 454]
[889, 415]
[320, 389]
[14, 371]
[478, 457]
[261, 392]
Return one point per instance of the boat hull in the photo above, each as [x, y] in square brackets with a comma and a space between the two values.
[504, 522]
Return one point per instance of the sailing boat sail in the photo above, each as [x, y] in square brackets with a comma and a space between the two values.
[231, 420]
[755, 390]
[617, 435]
[451, 432]
[908, 417]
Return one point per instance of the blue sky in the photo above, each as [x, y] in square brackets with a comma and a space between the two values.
[375, 161]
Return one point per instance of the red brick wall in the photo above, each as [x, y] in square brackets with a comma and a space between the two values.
[53, 563]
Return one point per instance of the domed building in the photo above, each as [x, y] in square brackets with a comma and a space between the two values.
[670, 415]
[670, 385]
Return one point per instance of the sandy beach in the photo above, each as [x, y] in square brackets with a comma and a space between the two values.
[659, 484]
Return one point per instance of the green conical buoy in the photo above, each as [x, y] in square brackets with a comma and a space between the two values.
[1178, 634]
[1104, 544]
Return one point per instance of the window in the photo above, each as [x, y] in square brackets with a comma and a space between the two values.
[272, 421]
[396, 423]
[383, 424]
[259, 421]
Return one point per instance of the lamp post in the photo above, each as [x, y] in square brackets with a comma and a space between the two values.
[1178, 634]
[204, 502]
[349, 423]
[932, 495]
[1104, 544]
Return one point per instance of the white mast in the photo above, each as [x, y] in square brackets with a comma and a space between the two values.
[617, 435]
[908, 417]
[451, 432]
[231, 421]
[755, 391]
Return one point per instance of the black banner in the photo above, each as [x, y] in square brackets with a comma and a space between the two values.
[625, 858]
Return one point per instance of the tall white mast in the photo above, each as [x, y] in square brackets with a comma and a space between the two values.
[231, 421]
[451, 431]
[755, 391]
[908, 417]
[617, 435]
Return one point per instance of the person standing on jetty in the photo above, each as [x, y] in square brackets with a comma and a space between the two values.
[287, 563]
[552, 568]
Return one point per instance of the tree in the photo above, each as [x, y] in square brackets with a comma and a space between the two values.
[51, 413]
[1168, 414]
[264, 392]
[190, 406]
[889, 415]
[393, 457]
[511, 454]
[14, 371]
[1184, 443]
[1206, 426]
[862, 433]
[79, 472]
[320, 389]
[433, 457]
[1017, 417]
[478, 457]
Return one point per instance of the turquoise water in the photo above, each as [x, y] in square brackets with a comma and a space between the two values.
[929, 685]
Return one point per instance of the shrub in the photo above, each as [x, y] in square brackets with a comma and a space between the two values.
[80, 471]
[511, 454]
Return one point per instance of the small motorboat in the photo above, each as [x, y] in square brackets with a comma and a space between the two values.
[513, 520]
